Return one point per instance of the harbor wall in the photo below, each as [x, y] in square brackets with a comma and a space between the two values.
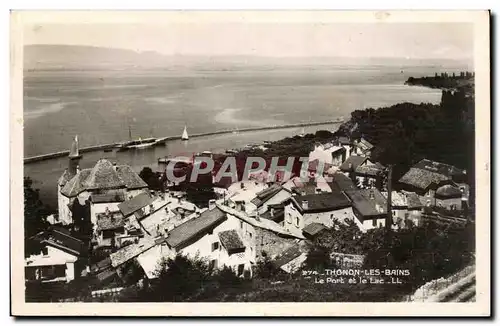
[87, 149]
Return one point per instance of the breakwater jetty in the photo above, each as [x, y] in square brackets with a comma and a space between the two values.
[87, 149]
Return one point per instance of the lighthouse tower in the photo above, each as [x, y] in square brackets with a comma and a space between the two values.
[74, 157]
[64, 214]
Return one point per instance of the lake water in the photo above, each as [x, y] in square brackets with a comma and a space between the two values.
[100, 106]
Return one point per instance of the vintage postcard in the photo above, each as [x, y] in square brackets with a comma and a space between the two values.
[245, 163]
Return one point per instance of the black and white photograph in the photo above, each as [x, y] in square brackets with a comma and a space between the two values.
[250, 158]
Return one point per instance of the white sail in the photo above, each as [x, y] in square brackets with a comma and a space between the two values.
[185, 134]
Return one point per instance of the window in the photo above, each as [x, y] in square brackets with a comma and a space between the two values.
[241, 224]
[250, 234]
[374, 223]
[215, 246]
[213, 264]
[407, 215]
[393, 213]
[297, 221]
[45, 251]
[331, 216]
[60, 271]
[241, 269]
[108, 234]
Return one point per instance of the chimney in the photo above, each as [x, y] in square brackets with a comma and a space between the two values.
[318, 190]
[257, 216]
[106, 211]
[151, 208]
[303, 192]
[272, 211]
[114, 166]
[211, 204]
[305, 204]
[372, 195]
[350, 166]
[77, 169]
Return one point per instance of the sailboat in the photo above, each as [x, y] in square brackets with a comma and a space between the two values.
[185, 134]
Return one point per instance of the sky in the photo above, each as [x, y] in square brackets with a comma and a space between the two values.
[395, 40]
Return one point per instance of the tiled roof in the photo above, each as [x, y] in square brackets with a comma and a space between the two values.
[313, 229]
[344, 140]
[106, 275]
[367, 206]
[109, 196]
[61, 240]
[369, 170]
[260, 223]
[136, 203]
[75, 186]
[287, 256]
[195, 227]
[448, 191]
[422, 179]
[341, 182]
[437, 167]
[354, 160]
[413, 201]
[365, 144]
[231, 240]
[397, 199]
[101, 265]
[131, 251]
[266, 194]
[132, 180]
[65, 177]
[110, 222]
[103, 176]
[323, 202]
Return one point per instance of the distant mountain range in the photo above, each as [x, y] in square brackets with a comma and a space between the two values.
[77, 57]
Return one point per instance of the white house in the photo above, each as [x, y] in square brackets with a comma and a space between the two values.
[105, 185]
[273, 195]
[347, 144]
[322, 208]
[222, 236]
[370, 208]
[57, 260]
[329, 154]
[405, 206]
[240, 195]
[365, 172]
[363, 147]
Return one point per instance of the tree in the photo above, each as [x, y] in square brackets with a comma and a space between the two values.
[35, 216]
[152, 179]
[318, 258]
[132, 272]
[179, 278]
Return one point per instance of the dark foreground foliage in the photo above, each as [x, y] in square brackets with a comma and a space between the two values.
[427, 252]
